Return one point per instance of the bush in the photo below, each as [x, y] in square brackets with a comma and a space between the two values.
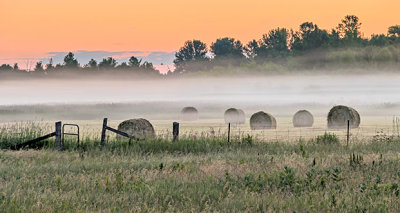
[327, 138]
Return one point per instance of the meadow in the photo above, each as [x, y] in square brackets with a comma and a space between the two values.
[200, 172]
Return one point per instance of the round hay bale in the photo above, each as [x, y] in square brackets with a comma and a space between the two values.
[189, 114]
[232, 115]
[262, 120]
[242, 116]
[139, 128]
[303, 118]
[338, 116]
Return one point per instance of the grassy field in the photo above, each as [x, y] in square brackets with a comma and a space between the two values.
[203, 173]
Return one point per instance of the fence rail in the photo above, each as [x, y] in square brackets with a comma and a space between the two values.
[116, 131]
[57, 134]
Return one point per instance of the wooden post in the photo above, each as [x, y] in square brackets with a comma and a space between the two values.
[348, 132]
[103, 133]
[397, 126]
[59, 145]
[175, 131]
[229, 132]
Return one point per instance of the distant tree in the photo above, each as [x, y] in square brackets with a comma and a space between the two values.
[134, 62]
[123, 66]
[15, 67]
[192, 50]
[108, 63]
[334, 38]
[39, 66]
[190, 55]
[274, 44]
[49, 66]
[70, 61]
[227, 47]
[251, 49]
[394, 32]
[6, 67]
[349, 29]
[379, 40]
[309, 37]
[92, 64]
[147, 66]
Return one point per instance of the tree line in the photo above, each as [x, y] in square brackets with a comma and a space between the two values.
[309, 46]
[280, 44]
[70, 63]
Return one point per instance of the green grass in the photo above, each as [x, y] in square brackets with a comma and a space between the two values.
[202, 174]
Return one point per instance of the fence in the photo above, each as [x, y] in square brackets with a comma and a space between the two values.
[285, 133]
[234, 132]
[59, 135]
[104, 130]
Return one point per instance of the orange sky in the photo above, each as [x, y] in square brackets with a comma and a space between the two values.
[31, 28]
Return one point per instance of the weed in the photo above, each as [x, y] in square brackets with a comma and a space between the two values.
[327, 138]
[248, 140]
[303, 151]
[355, 160]
[382, 137]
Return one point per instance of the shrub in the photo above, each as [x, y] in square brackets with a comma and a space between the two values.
[248, 140]
[327, 138]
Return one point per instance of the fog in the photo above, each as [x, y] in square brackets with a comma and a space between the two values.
[282, 95]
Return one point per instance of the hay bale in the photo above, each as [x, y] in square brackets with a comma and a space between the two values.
[139, 128]
[232, 115]
[242, 116]
[338, 116]
[303, 118]
[189, 114]
[262, 120]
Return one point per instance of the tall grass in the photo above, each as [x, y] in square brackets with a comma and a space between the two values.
[202, 174]
[13, 134]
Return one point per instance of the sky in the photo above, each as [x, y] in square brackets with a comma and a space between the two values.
[40, 29]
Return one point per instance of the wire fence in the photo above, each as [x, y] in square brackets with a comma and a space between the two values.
[284, 132]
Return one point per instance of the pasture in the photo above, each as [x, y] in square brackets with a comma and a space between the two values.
[287, 169]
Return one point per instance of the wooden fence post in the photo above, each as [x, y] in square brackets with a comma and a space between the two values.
[59, 146]
[103, 133]
[348, 132]
[175, 131]
[229, 132]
